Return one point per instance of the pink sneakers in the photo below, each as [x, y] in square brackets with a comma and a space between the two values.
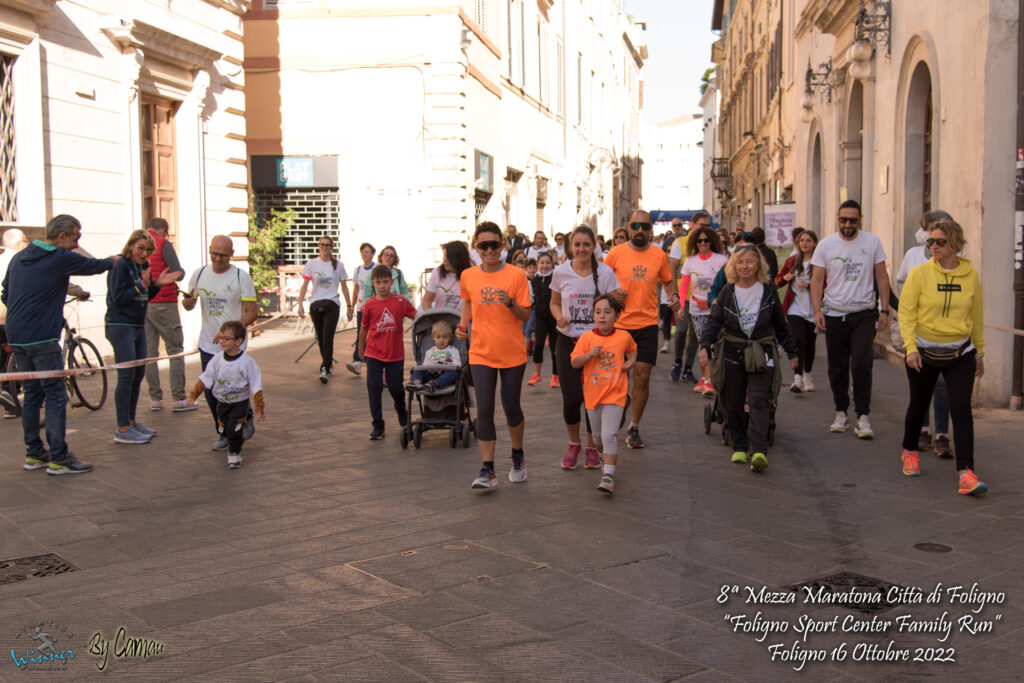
[593, 460]
[572, 454]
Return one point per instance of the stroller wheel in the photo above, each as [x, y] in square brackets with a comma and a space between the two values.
[453, 437]
[465, 435]
[417, 435]
[403, 438]
[709, 413]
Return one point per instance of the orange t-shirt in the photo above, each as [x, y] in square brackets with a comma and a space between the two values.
[639, 273]
[604, 382]
[497, 335]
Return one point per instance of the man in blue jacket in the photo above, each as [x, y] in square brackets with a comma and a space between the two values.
[33, 291]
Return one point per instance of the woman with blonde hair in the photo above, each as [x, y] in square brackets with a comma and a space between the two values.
[129, 288]
[745, 327]
[941, 319]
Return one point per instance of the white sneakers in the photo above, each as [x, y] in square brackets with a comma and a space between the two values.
[354, 367]
[863, 428]
[807, 382]
[840, 424]
[797, 386]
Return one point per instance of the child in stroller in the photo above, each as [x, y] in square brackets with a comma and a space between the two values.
[440, 379]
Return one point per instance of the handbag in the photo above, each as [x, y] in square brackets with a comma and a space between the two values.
[942, 358]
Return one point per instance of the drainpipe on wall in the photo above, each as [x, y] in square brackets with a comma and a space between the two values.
[1016, 393]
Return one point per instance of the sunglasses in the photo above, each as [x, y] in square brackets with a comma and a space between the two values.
[744, 247]
[848, 221]
[641, 226]
[703, 240]
[745, 236]
[932, 241]
[489, 245]
[677, 225]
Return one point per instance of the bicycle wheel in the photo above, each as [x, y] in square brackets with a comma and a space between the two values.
[91, 387]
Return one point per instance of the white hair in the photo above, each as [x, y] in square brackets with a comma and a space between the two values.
[12, 238]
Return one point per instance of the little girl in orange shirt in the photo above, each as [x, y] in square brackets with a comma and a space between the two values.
[606, 355]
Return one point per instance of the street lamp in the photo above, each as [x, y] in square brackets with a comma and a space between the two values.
[816, 80]
[870, 28]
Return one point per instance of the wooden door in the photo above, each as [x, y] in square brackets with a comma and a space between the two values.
[159, 163]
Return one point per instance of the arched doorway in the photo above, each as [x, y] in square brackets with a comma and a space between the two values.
[852, 145]
[919, 172]
[815, 189]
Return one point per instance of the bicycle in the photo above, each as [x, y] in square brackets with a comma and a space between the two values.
[90, 388]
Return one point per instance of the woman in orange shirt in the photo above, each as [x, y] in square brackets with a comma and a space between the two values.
[606, 355]
[496, 298]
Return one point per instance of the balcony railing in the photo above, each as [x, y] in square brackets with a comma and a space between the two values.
[721, 174]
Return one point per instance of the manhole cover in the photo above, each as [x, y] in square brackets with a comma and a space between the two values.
[846, 589]
[933, 547]
[21, 568]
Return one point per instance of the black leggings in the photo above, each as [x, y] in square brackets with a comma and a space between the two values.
[804, 335]
[544, 330]
[324, 314]
[570, 381]
[960, 380]
[667, 316]
[485, 379]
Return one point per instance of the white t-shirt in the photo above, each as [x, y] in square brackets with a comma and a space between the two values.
[232, 381]
[676, 250]
[748, 305]
[560, 251]
[449, 355]
[533, 252]
[913, 258]
[446, 290]
[578, 295]
[702, 274]
[220, 296]
[801, 288]
[850, 269]
[324, 280]
[360, 275]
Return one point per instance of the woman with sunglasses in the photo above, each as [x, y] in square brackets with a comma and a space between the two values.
[941, 318]
[574, 286]
[703, 262]
[796, 272]
[496, 299]
[621, 236]
[326, 274]
[130, 286]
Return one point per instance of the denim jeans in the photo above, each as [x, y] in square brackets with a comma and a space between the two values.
[129, 344]
[442, 379]
[44, 356]
[940, 401]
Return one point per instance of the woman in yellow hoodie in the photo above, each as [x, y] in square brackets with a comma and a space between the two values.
[941, 322]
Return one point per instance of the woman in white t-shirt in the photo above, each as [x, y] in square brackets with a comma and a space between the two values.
[704, 259]
[796, 271]
[574, 285]
[362, 272]
[443, 288]
[325, 274]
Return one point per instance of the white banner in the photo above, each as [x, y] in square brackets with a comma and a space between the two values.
[779, 221]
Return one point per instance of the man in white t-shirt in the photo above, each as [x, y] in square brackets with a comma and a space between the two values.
[539, 246]
[854, 262]
[226, 293]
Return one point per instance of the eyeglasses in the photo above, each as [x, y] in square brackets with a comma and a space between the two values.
[848, 221]
[325, 244]
[677, 225]
[932, 241]
[489, 245]
[641, 226]
[217, 254]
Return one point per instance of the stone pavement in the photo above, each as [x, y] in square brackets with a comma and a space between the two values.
[328, 557]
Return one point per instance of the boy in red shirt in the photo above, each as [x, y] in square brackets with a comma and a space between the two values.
[382, 347]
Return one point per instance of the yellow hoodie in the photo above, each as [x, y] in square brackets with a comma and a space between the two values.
[942, 306]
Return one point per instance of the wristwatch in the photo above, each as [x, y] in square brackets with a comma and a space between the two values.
[887, 311]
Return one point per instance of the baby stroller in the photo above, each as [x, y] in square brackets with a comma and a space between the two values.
[447, 407]
[714, 411]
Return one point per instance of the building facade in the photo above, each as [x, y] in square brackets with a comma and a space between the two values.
[898, 105]
[408, 124]
[119, 111]
[673, 157]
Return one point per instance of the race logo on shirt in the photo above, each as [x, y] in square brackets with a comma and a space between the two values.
[323, 281]
[852, 270]
[748, 318]
[386, 322]
[489, 295]
[606, 360]
[581, 309]
[639, 272]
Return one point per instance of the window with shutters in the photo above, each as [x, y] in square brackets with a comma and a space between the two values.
[159, 163]
[8, 171]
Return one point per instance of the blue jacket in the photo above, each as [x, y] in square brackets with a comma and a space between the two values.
[34, 290]
[127, 297]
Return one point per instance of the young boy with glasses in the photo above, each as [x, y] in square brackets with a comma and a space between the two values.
[233, 378]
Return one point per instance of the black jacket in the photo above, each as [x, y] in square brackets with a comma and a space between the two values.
[542, 294]
[771, 320]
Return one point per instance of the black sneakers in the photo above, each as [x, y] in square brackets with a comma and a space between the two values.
[377, 434]
[633, 439]
[69, 465]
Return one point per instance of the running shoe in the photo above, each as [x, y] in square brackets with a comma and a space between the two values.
[593, 459]
[221, 444]
[911, 463]
[758, 462]
[607, 484]
[689, 377]
[355, 367]
[234, 461]
[572, 454]
[664, 348]
[863, 428]
[414, 384]
[808, 382]
[534, 380]
[633, 439]
[486, 480]
[323, 380]
[69, 465]
[143, 429]
[739, 457]
[924, 441]
[841, 423]
[969, 483]
[699, 389]
[554, 381]
[37, 462]
[676, 372]
[430, 387]
[518, 471]
[942, 448]
[709, 390]
[183, 406]
[377, 434]
[797, 386]
[130, 436]
[156, 405]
